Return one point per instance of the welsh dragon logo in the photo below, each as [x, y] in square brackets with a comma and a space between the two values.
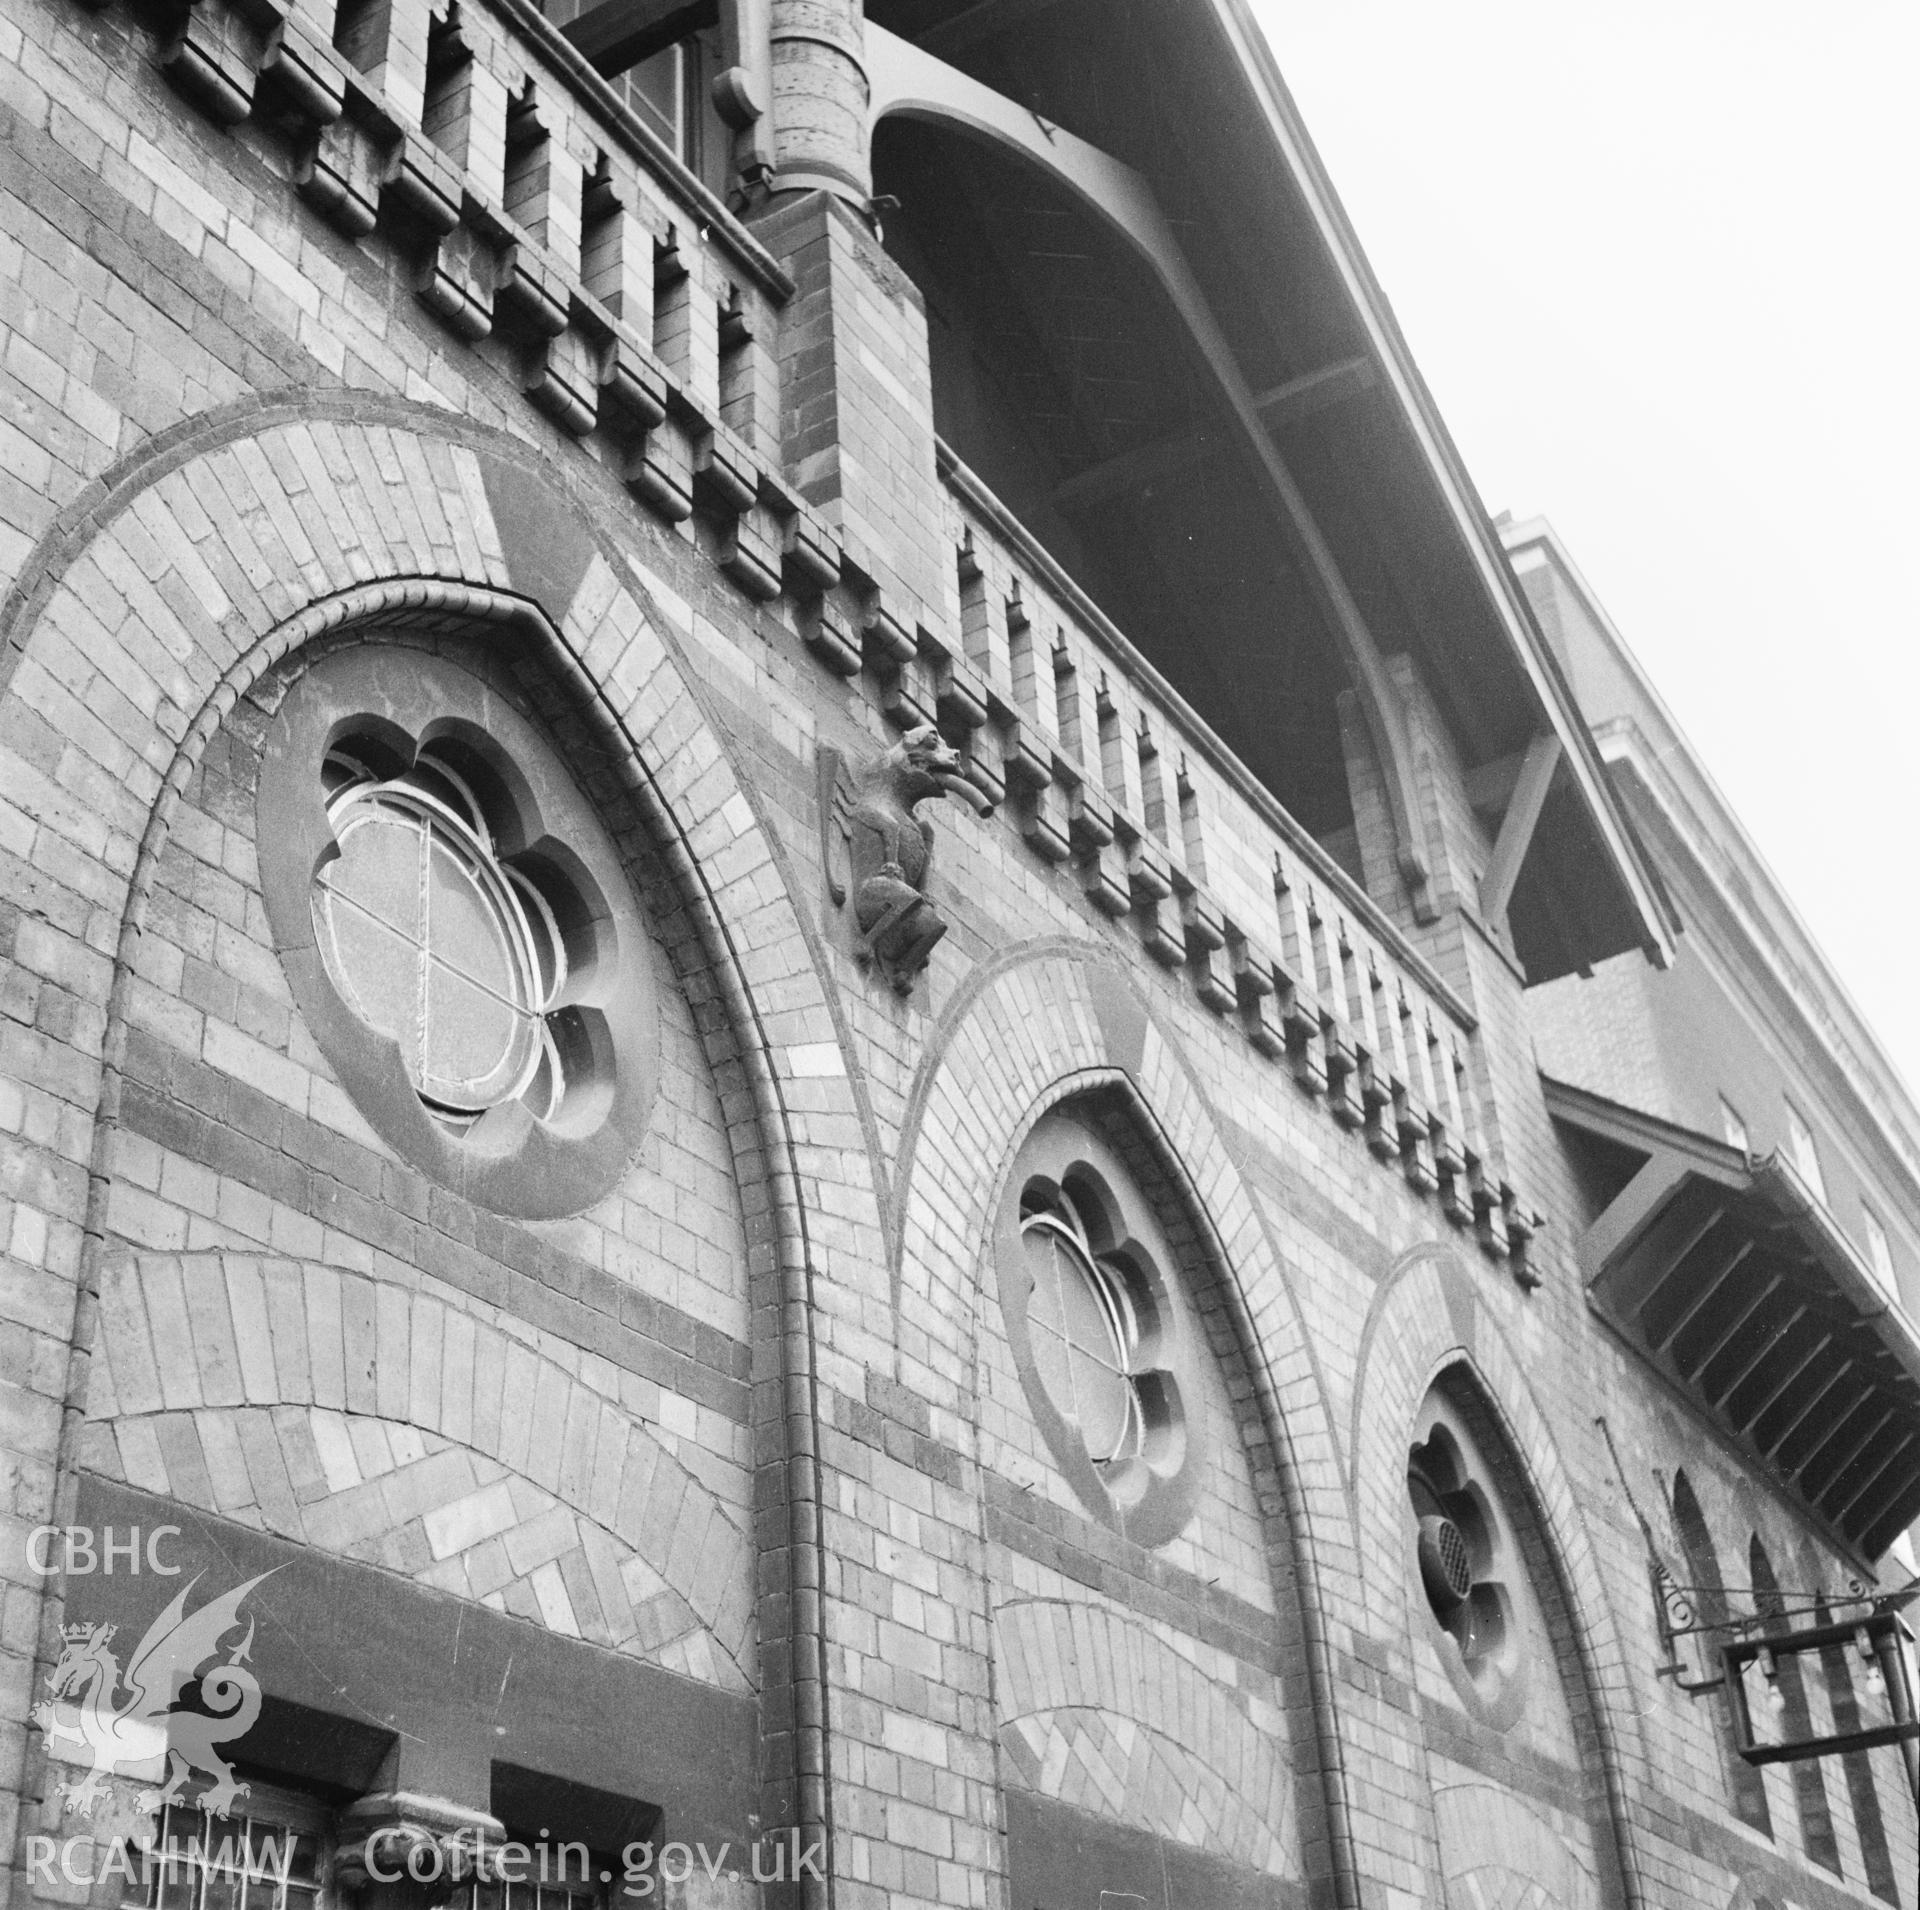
[121, 1733]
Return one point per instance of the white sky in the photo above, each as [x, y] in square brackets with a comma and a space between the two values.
[1658, 264]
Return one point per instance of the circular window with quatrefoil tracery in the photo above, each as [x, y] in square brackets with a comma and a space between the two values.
[457, 929]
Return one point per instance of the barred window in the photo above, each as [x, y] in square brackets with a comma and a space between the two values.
[266, 1860]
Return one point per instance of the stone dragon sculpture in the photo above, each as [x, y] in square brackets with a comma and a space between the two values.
[888, 847]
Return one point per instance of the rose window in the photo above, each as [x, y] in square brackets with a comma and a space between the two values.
[1099, 1330]
[437, 943]
[1461, 1550]
[1083, 1329]
[457, 927]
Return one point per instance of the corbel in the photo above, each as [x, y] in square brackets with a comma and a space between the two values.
[906, 700]
[727, 484]
[561, 376]
[826, 633]
[760, 533]
[1258, 990]
[400, 1850]
[1490, 1198]
[1090, 830]
[959, 690]
[343, 165]
[1294, 976]
[743, 88]
[214, 55]
[1028, 765]
[809, 551]
[1305, 1025]
[1343, 1070]
[1377, 1080]
[886, 644]
[451, 278]
[1150, 883]
[1523, 1227]
[1377, 1098]
[1204, 927]
[634, 394]
[750, 553]
[1415, 1127]
[889, 648]
[530, 291]
[420, 186]
[1045, 825]
[1450, 1173]
[633, 388]
[1415, 1110]
[659, 472]
[810, 570]
[301, 75]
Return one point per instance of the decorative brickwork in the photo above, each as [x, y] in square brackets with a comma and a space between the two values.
[320, 1405]
[324, 327]
[1500, 1853]
[1429, 1323]
[1100, 1712]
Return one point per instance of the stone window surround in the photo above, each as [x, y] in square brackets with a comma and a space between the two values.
[508, 1161]
[1150, 1498]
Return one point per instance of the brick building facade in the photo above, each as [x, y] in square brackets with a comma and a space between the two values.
[781, 854]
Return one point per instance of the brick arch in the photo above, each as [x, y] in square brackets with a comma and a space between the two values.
[137, 625]
[1428, 1319]
[1022, 1034]
[163, 591]
[1083, 1696]
[348, 1413]
[332, 522]
[1032, 1030]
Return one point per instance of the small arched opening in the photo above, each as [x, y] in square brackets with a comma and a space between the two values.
[1746, 1789]
[1809, 1781]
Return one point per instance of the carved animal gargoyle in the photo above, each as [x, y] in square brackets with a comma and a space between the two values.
[868, 809]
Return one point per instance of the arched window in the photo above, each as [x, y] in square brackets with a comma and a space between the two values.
[1868, 1822]
[1746, 1789]
[1809, 1784]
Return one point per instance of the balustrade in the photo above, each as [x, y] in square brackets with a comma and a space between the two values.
[1103, 768]
[539, 219]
